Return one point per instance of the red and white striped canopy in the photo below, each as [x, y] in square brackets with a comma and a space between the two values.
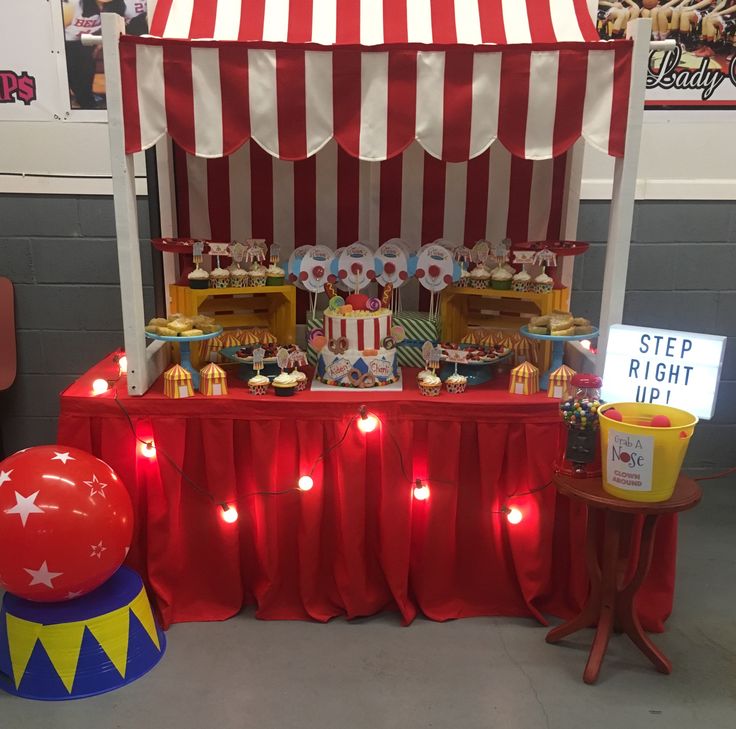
[375, 75]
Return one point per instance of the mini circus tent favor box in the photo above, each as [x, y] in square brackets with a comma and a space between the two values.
[210, 349]
[526, 351]
[178, 382]
[524, 379]
[212, 380]
[560, 382]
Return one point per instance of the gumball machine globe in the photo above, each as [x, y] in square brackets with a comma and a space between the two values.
[66, 522]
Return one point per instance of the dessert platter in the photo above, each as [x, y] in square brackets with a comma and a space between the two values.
[558, 327]
[244, 356]
[475, 362]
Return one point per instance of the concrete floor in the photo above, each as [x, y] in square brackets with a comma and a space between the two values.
[467, 674]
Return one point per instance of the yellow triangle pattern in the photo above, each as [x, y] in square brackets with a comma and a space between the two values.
[22, 635]
[141, 608]
[111, 632]
[63, 643]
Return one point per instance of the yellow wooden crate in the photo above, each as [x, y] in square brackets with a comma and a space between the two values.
[463, 309]
[271, 307]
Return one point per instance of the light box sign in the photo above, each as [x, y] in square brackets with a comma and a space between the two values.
[662, 366]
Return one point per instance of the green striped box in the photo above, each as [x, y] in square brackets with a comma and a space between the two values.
[314, 321]
[419, 328]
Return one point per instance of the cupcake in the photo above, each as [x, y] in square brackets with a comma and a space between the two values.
[500, 279]
[480, 277]
[258, 385]
[257, 275]
[284, 384]
[543, 284]
[464, 278]
[238, 278]
[275, 275]
[456, 383]
[424, 374]
[430, 386]
[219, 278]
[301, 380]
[522, 281]
[199, 279]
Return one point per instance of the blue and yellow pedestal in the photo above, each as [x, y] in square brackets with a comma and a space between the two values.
[82, 647]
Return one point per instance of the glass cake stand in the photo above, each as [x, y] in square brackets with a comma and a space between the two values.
[186, 358]
[558, 349]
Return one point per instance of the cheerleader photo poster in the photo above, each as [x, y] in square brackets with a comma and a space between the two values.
[701, 70]
[85, 70]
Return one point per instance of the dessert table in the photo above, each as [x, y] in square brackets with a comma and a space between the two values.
[358, 542]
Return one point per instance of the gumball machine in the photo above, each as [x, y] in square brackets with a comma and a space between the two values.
[579, 411]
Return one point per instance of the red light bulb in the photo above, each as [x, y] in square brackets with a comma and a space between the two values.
[229, 514]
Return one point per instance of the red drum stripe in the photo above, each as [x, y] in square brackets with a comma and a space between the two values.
[234, 89]
[179, 94]
[291, 100]
[520, 186]
[443, 21]
[261, 202]
[181, 183]
[218, 197]
[131, 109]
[394, 22]
[457, 107]
[251, 21]
[300, 22]
[514, 101]
[343, 328]
[376, 334]
[348, 23]
[540, 21]
[554, 225]
[361, 324]
[476, 197]
[389, 224]
[491, 21]
[204, 16]
[571, 80]
[620, 106]
[160, 17]
[348, 198]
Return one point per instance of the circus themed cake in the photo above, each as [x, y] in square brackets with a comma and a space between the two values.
[359, 350]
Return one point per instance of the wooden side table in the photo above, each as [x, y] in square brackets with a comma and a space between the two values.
[611, 603]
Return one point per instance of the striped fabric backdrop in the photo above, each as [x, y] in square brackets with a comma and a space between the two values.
[335, 199]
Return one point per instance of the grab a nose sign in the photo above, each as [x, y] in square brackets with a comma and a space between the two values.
[680, 369]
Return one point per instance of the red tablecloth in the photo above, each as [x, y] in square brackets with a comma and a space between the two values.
[357, 543]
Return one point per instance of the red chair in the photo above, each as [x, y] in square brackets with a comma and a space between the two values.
[8, 366]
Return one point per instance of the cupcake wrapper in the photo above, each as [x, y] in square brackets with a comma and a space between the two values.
[476, 283]
[301, 385]
[542, 288]
[274, 281]
[519, 286]
[216, 283]
[455, 389]
[239, 283]
[257, 280]
[430, 390]
[199, 283]
[501, 285]
[284, 391]
[258, 389]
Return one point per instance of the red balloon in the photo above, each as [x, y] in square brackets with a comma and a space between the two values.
[66, 522]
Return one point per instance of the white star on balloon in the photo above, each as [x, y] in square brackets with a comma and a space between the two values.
[97, 550]
[25, 506]
[5, 476]
[42, 576]
[96, 487]
[63, 457]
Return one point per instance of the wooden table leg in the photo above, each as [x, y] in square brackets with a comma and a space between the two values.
[589, 614]
[609, 589]
[626, 607]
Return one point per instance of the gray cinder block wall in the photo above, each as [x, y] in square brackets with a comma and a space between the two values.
[60, 253]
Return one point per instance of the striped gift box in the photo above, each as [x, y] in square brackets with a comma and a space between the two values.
[419, 328]
[178, 382]
[524, 379]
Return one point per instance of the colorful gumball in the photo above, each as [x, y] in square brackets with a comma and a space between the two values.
[66, 522]
[660, 421]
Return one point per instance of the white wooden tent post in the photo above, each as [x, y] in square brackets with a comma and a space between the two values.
[143, 366]
[624, 192]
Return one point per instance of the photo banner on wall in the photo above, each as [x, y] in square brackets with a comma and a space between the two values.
[701, 70]
[30, 88]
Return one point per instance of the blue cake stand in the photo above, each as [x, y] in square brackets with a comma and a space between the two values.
[186, 358]
[558, 349]
[246, 371]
